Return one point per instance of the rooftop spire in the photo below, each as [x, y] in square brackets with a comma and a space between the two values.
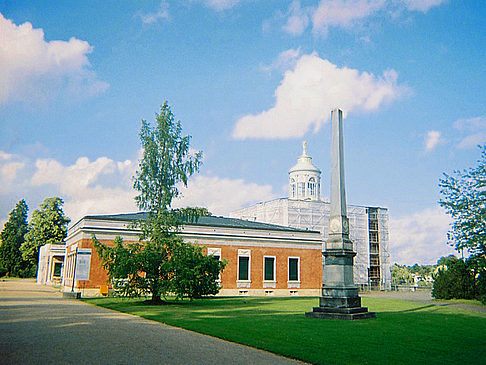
[304, 148]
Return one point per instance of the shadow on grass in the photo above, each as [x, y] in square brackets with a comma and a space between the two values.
[279, 325]
[416, 309]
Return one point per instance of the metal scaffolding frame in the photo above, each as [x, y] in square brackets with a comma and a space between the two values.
[314, 215]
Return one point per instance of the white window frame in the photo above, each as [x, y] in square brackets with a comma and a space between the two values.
[292, 188]
[215, 251]
[243, 283]
[274, 268]
[293, 283]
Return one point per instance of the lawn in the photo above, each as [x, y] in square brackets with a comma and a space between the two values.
[402, 333]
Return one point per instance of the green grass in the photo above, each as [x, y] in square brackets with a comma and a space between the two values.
[403, 332]
[461, 301]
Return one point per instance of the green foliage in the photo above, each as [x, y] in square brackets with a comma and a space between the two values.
[160, 269]
[404, 275]
[161, 263]
[202, 212]
[12, 238]
[136, 269]
[446, 260]
[401, 275]
[455, 280]
[195, 275]
[48, 225]
[464, 199]
[166, 162]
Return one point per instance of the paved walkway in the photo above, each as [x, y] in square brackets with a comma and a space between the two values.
[424, 296]
[37, 326]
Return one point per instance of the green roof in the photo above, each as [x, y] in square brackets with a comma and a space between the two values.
[212, 221]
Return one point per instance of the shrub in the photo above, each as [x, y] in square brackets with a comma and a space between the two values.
[456, 281]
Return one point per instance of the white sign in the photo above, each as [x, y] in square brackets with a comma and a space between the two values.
[83, 264]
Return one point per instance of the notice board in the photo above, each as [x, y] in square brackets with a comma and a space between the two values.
[83, 263]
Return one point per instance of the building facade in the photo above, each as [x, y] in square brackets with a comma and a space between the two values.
[49, 267]
[263, 259]
[304, 209]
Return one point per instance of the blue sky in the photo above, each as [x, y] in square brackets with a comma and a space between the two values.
[250, 80]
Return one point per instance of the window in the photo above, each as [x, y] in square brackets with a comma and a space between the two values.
[57, 269]
[216, 253]
[243, 268]
[292, 188]
[294, 269]
[301, 189]
[311, 186]
[269, 268]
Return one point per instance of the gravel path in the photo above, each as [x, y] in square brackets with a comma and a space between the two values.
[38, 326]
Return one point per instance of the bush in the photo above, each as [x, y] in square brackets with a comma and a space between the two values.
[454, 281]
[460, 280]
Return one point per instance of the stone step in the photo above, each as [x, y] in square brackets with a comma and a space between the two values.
[345, 316]
[340, 310]
[71, 295]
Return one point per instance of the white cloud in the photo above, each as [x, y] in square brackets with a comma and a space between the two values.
[420, 237]
[285, 60]
[472, 141]
[475, 130]
[220, 5]
[325, 14]
[222, 195]
[81, 187]
[310, 91]
[10, 170]
[162, 13]
[432, 139]
[5, 156]
[104, 186]
[343, 13]
[32, 68]
[298, 19]
[422, 5]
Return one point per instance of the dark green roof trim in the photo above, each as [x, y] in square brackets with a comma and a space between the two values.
[211, 221]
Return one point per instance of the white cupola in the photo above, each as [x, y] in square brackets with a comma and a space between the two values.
[304, 178]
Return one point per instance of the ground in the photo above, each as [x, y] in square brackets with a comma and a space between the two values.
[38, 326]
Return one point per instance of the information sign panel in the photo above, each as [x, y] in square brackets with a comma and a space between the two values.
[83, 263]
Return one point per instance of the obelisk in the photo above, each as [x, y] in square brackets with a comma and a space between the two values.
[340, 299]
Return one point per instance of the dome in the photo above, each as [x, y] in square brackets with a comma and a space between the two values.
[304, 178]
[304, 162]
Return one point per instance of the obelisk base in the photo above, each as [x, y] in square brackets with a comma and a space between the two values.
[340, 303]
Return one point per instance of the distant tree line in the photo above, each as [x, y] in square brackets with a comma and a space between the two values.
[20, 240]
[404, 275]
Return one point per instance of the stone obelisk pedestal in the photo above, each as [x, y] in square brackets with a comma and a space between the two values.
[340, 299]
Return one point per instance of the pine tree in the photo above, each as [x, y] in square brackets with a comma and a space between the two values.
[12, 237]
[48, 225]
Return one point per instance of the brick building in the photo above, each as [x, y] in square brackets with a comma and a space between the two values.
[263, 259]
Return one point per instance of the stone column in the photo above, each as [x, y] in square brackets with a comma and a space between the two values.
[340, 299]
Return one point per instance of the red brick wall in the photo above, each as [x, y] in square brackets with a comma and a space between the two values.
[310, 266]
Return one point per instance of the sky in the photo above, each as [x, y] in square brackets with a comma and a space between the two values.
[249, 80]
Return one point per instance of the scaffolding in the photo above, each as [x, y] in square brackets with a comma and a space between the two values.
[372, 260]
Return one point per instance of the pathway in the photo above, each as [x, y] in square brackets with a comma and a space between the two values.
[37, 326]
